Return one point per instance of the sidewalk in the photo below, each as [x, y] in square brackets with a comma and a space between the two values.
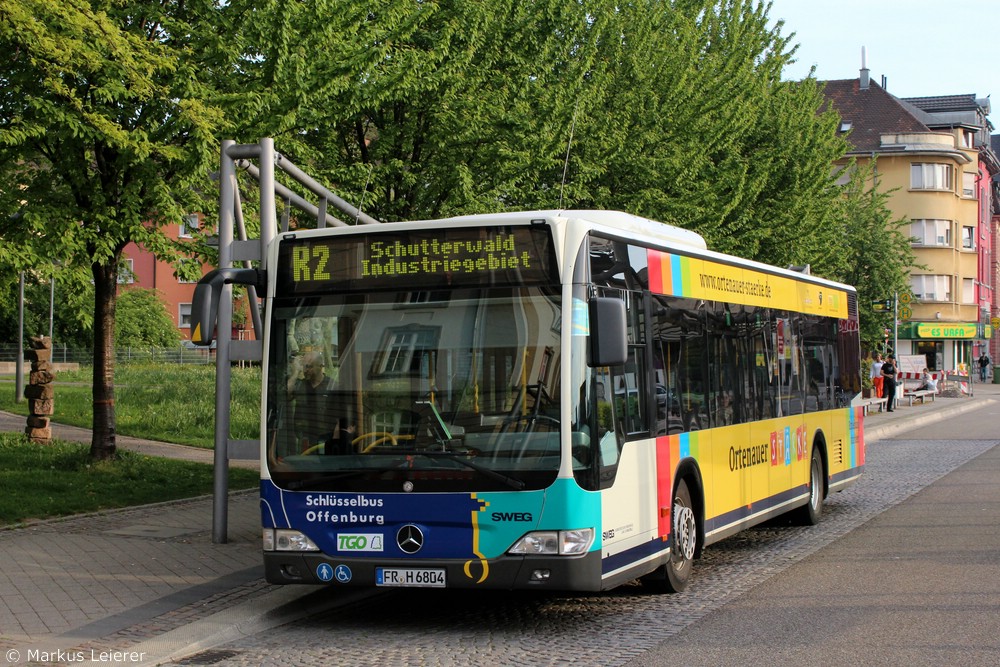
[146, 580]
[149, 582]
[881, 425]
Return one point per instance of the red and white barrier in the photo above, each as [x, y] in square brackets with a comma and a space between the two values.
[910, 379]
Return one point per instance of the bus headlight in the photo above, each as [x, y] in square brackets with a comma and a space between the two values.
[281, 539]
[554, 542]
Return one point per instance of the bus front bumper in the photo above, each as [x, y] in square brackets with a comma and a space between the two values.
[577, 573]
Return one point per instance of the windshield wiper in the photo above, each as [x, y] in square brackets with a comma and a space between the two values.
[512, 482]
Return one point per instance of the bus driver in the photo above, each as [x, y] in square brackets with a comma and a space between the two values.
[311, 393]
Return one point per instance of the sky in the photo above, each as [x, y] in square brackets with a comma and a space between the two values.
[924, 48]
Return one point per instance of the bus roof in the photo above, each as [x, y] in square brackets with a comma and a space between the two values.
[626, 222]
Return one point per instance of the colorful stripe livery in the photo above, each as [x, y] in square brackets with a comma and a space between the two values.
[697, 278]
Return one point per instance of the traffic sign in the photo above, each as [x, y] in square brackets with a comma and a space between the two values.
[995, 322]
[905, 298]
[880, 305]
[905, 313]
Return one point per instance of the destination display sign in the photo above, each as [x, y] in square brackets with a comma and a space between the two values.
[418, 259]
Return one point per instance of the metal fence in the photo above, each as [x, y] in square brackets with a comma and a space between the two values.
[182, 354]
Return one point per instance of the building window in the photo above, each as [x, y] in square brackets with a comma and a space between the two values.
[406, 351]
[423, 297]
[931, 233]
[968, 139]
[843, 175]
[189, 225]
[968, 184]
[184, 315]
[929, 176]
[931, 288]
[968, 238]
[968, 290]
[126, 274]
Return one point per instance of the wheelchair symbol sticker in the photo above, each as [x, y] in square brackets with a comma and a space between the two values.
[343, 574]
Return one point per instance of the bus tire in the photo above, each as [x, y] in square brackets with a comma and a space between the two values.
[810, 513]
[673, 577]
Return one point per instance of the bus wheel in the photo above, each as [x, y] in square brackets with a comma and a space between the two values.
[810, 514]
[673, 577]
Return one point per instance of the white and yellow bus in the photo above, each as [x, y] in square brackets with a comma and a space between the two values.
[564, 400]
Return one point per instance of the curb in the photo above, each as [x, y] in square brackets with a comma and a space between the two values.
[884, 431]
[42, 523]
[273, 609]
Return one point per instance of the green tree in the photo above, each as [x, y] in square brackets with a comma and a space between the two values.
[71, 323]
[141, 320]
[677, 111]
[419, 109]
[106, 134]
[697, 129]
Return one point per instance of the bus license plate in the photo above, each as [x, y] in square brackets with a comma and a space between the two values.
[410, 576]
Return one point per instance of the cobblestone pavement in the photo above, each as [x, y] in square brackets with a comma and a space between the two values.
[150, 577]
[459, 628]
[59, 575]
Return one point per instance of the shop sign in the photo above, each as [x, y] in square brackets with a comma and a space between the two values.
[939, 330]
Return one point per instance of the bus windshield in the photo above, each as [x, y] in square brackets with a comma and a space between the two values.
[437, 389]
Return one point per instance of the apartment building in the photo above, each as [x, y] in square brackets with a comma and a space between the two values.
[934, 155]
[141, 268]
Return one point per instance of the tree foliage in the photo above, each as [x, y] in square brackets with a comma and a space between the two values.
[106, 131]
[142, 321]
[677, 111]
[111, 114]
[70, 306]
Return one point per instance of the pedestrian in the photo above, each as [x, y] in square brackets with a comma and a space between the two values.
[876, 375]
[984, 364]
[929, 382]
[889, 372]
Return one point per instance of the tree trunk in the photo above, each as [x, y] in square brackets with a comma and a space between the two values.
[102, 444]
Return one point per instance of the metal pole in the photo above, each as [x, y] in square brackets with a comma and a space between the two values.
[268, 211]
[895, 326]
[289, 168]
[52, 303]
[252, 296]
[19, 371]
[293, 198]
[223, 370]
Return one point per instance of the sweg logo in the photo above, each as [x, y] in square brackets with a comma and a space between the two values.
[359, 542]
[511, 516]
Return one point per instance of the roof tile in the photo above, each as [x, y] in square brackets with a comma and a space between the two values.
[872, 113]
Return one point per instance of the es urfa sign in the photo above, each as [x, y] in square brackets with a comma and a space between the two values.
[937, 330]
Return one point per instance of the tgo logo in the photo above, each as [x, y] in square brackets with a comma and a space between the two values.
[359, 542]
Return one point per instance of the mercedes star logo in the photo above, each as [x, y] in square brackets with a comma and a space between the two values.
[410, 539]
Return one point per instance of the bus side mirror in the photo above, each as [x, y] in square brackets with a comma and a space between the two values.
[607, 332]
[208, 292]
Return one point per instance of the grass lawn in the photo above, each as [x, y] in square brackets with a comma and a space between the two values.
[166, 402]
[41, 481]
